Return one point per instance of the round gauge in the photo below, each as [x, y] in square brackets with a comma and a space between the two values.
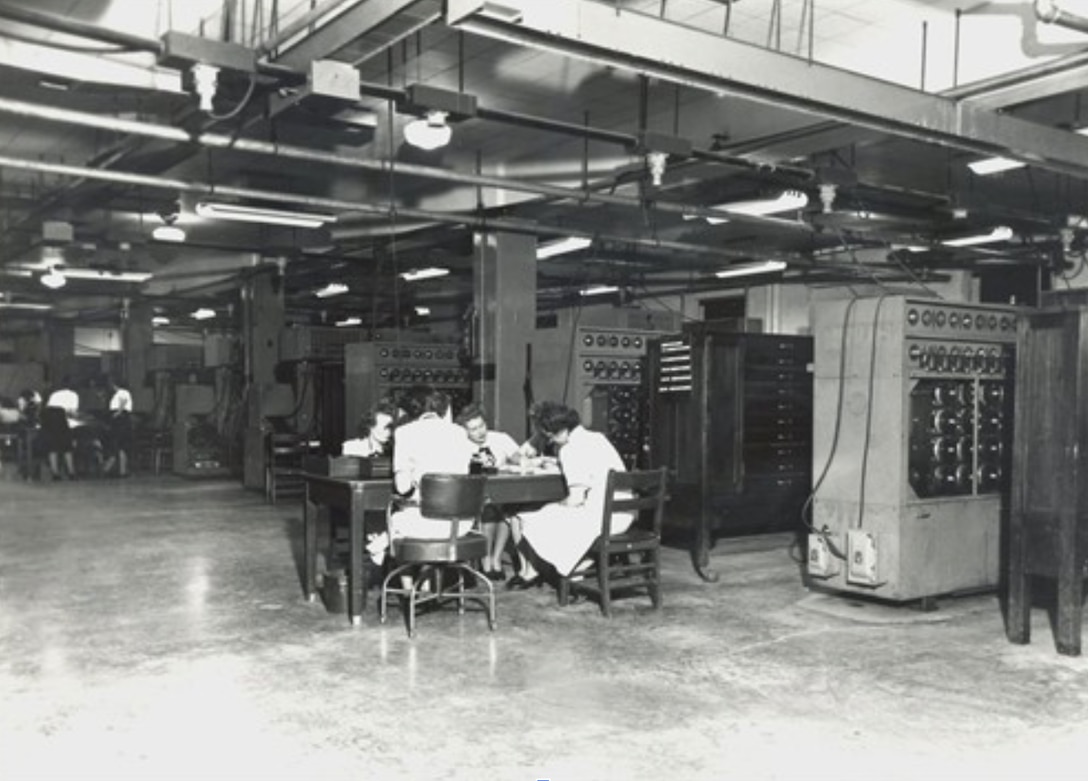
[587, 340]
[939, 319]
[912, 316]
[602, 340]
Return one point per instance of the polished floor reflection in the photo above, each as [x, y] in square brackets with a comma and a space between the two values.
[155, 628]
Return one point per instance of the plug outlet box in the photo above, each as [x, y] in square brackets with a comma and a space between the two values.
[861, 558]
[821, 562]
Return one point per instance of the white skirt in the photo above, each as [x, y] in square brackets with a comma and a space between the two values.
[562, 535]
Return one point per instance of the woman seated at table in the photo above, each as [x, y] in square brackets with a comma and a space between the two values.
[561, 533]
[431, 443]
[492, 451]
[375, 432]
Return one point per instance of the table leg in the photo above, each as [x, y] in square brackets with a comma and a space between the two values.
[357, 581]
[309, 545]
[1018, 624]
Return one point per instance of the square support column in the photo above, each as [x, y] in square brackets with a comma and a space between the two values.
[504, 274]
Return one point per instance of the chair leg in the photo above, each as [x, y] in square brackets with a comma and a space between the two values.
[603, 582]
[655, 574]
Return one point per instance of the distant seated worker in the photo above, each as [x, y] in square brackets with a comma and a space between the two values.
[65, 398]
[30, 405]
[431, 443]
[492, 451]
[561, 533]
[375, 432]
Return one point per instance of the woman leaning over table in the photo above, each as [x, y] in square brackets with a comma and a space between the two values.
[561, 533]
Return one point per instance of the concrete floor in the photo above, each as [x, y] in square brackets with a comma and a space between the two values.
[155, 628]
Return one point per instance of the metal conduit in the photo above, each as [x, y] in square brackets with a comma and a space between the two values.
[221, 141]
[507, 224]
[385, 92]
[81, 29]
[1049, 12]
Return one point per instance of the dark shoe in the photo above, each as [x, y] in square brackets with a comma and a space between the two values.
[496, 575]
[523, 584]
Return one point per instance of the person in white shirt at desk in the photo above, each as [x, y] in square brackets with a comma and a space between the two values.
[375, 433]
[493, 451]
[431, 443]
[57, 436]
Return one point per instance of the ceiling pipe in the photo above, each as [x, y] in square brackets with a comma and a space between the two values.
[1049, 12]
[80, 29]
[229, 142]
[507, 224]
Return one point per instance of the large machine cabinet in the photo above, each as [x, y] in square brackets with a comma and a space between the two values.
[731, 419]
[379, 370]
[911, 445]
[1049, 507]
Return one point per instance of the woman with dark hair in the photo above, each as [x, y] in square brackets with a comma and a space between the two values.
[375, 432]
[562, 532]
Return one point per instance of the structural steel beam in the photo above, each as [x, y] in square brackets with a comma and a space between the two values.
[610, 36]
[339, 30]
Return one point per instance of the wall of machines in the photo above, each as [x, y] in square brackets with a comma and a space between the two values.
[374, 371]
[911, 445]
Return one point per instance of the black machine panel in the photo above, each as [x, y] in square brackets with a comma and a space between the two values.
[731, 418]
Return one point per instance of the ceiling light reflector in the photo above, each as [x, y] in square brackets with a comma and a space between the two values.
[53, 279]
[170, 233]
[744, 269]
[332, 289]
[790, 200]
[994, 165]
[1001, 233]
[240, 213]
[562, 247]
[429, 133]
[598, 290]
[424, 273]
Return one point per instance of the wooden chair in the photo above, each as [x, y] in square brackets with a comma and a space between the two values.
[628, 562]
[453, 498]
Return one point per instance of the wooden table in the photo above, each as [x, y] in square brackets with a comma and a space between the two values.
[359, 496]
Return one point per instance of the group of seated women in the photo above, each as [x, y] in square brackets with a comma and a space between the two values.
[423, 436]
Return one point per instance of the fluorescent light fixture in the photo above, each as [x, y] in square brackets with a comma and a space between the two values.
[239, 213]
[423, 311]
[561, 247]
[53, 279]
[348, 321]
[790, 200]
[203, 313]
[1001, 233]
[107, 276]
[429, 133]
[424, 273]
[994, 165]
[598, 290]
[744, 269]
[332, 289]
[29, 306]
[160, 320]
[170, 233]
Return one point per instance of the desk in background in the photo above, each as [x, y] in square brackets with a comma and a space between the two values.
[357, 496]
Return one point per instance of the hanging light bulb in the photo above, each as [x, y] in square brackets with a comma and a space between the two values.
[429, 133]
[52, 278]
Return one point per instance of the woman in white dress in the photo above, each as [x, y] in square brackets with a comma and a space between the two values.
[562, 532]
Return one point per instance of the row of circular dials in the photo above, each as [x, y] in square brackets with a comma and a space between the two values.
[613, 369]
[612, 341]
[959, 358]
[966, 321]
[418, 353]
[397, 374]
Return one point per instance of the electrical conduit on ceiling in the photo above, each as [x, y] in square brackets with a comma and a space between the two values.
[222, 141]
[507, 224]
